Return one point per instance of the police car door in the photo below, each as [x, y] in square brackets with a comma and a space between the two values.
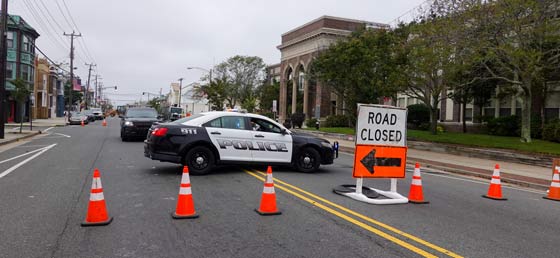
[269, 144]
[230, 135]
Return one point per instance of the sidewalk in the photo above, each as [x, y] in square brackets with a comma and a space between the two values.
[520, 174]
[11, 136]
[56, 121]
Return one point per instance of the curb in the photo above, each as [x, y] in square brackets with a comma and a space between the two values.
[533, 183]
[20, 138]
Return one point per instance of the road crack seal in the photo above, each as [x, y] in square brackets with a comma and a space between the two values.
[56, 246]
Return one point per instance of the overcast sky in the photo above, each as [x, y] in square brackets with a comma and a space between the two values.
[144, 45]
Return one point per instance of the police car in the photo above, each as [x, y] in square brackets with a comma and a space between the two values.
[204, 140]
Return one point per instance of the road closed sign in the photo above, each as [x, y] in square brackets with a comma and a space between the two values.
[381, 125]
[380, 142]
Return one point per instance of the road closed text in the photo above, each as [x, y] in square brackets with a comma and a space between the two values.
[381, 126]
[386, 135]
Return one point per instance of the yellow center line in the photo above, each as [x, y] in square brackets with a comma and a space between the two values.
[352, 220]
[366, 218]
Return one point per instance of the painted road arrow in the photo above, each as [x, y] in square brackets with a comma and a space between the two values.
[370, 162]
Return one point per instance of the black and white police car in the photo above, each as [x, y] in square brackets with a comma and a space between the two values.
[201, 141]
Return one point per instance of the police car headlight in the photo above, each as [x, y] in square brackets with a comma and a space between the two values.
[128, 123]
[326, 144]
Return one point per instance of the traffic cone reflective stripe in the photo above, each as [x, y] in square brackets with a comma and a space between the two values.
[185, 203]
[554, 190]
[268, 198]
[495, 189]
[97, 209]
[416, 194]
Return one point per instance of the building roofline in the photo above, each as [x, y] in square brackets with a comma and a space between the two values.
[334, 18]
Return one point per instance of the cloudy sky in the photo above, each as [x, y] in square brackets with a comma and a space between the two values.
[144, 45]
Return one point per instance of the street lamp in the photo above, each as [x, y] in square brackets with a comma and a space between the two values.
[203, 69]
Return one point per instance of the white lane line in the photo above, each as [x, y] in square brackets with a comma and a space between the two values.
[16, 166]
[22, 155]
[46, 130]
[31, 146]
[65, 135]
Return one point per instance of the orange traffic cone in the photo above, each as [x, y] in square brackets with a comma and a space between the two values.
[495, 190]
[554, 190]
[82, 123]
[97, 209]
[416, 195]
[104, 122]
[268, 198]
[185, 203]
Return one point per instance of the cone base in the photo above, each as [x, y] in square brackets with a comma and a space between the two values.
[101, 223]
[262, 213]
[494, 198]
[554, 199]
[177, 216]
[418, 202]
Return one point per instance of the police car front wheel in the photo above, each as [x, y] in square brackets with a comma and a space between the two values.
[200, 160]
[308, 160]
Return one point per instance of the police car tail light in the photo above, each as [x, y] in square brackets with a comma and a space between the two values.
[159, 131]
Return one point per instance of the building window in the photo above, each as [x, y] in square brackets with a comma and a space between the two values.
[10, 69]
[10, 39]
[25, 44]
[26, 72]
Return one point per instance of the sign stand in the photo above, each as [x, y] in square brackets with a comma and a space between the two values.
[380, 153]
[392, 195]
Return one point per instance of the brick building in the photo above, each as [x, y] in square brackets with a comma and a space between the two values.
[299, 47]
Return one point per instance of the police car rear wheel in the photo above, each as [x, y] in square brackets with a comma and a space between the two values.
[200, 160]
[308, 160]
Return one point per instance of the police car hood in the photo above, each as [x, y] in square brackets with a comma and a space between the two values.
[308, 136]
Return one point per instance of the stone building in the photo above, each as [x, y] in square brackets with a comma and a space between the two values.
[299, 46]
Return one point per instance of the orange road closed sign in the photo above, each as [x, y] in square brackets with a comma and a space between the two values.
[371, 161]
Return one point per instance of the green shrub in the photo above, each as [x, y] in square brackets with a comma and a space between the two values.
[504, 126]
[311, 122]
[418, 114]
[536, 129]
[424, 126]
[297, 119]
[551, 131]
[336, 121]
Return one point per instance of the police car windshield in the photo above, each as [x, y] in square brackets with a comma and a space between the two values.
[141, 113]
[182, 120]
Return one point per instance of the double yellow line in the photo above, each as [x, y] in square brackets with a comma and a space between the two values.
[322, 203]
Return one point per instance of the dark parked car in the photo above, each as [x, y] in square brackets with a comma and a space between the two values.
[89, 114]
[76, 118]
[136, 122]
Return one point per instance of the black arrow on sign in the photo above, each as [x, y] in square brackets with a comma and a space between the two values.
[370, 162]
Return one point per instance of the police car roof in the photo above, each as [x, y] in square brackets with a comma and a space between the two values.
[232, 113]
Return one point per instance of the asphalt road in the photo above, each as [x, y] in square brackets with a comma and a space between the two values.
[44, 200]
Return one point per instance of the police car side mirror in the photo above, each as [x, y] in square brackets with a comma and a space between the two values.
[284, 131]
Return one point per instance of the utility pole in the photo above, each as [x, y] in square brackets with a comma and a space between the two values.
[95, 94]
[87, 88]
[180, 86]
[72, 36]
[3, 32]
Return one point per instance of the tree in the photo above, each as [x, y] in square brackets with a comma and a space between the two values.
[155, 103]
[241, 76]
[267, 94]
[522, 37]
[215, 91]
[20, 94]
[362, 68]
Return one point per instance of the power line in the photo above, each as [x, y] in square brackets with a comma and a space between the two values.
[50, 15]
[70, 14]
[63, 15]
[42, 24]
